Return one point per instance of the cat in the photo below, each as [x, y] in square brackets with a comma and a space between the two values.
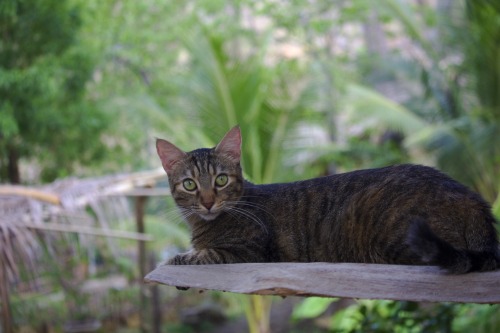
[403, 214]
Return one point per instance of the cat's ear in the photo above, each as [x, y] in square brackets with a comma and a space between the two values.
[169, 154]
[230, 145]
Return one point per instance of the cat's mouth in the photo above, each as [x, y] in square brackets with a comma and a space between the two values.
[208, 216]
[212, 213]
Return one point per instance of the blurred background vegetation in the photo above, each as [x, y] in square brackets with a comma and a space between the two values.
[318, 87]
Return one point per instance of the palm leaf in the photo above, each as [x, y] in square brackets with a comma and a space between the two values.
[365, 102]
[223, 90]
[401, 11]
[464, 147]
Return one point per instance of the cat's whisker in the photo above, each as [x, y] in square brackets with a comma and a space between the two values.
[169, 211]
[252, 217]
[239, 214]
[176, 215]
[169, 215]
[176, 219]
[254, 205]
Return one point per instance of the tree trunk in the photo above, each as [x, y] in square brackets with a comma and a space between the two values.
[13, 166]
[6, 313]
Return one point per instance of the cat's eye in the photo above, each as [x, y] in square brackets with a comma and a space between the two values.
[221, 180]
[189, 184]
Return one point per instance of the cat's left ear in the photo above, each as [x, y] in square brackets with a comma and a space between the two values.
[230, 145]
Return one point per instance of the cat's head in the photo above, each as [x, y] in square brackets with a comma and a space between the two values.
[204, 181]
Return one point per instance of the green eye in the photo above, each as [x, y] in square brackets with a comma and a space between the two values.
[221, 180]
[189, 184]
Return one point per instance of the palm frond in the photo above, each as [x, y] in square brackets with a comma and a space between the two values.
[224, 90]
[464, 147]
[28, 211]
[401, 10]
[364, 102]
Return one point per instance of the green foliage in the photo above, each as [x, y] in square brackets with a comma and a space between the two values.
[35, 310]
[460, 127]
[312, 307]
[393, 316]
[398, 316]
[44, 68]
[478, 318]
[483, 26]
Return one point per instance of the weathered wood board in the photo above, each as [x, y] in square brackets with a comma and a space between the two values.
[365, 281]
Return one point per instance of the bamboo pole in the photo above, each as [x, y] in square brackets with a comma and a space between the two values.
[30, 193]
[140, 203]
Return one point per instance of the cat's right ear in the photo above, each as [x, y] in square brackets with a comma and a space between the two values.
[169, 154]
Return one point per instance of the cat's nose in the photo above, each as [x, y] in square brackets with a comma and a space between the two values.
[208, 204]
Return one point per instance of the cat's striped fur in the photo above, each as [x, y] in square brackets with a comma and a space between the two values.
[406, 214]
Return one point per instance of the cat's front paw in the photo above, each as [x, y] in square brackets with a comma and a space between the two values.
[180, 259]
[177, 260]
[193, 257]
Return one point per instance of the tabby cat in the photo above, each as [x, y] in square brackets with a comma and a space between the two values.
[405, 214]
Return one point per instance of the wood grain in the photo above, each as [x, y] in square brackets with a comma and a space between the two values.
[366, 281]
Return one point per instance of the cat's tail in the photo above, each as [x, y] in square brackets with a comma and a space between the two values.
[435, 251]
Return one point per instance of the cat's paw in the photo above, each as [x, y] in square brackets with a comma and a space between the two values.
[202, 257]
[180, 259]
[177, 260]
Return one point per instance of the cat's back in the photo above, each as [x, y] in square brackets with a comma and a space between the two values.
[346, 217]
[328, 196]
[340, 187]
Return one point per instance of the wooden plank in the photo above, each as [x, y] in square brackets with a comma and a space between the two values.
[59, 227]
[366, 281]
